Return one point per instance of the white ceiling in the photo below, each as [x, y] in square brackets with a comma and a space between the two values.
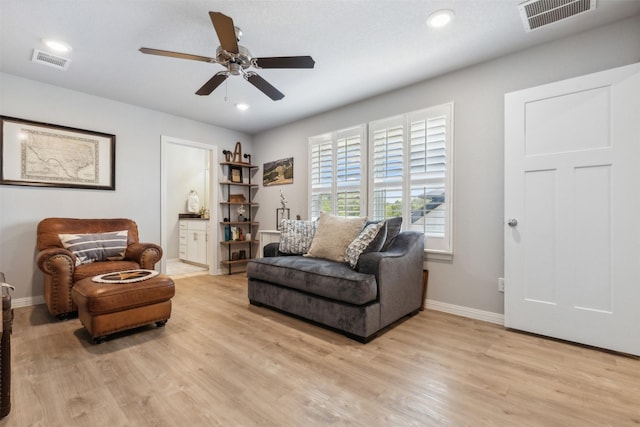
[361, 47]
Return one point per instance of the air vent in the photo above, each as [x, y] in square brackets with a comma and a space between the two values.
[51, 60]
[538, 13]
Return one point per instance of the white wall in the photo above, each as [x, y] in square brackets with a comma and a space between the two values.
[186, 171]
[470, 280]
[137, 193]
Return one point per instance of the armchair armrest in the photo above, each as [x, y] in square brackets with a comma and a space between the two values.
[56, 261]
[145, 254]
[398, 273]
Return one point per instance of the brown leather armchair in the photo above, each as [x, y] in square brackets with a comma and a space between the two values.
[60, 265]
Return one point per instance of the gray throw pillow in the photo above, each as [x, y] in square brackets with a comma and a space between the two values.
[393, 229]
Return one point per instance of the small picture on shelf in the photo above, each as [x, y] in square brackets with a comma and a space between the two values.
[235, 174]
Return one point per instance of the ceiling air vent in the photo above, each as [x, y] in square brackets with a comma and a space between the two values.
[538, 13]
[51, 60]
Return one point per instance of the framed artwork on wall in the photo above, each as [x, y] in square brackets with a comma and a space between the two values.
[47, 155]
[278, 172]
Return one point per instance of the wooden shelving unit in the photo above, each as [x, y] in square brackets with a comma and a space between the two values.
[234, 248]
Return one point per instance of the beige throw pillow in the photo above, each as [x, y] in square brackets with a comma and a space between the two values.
[334, 235]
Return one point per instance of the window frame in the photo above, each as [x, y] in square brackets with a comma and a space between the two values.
[333, 138]
[435, 247]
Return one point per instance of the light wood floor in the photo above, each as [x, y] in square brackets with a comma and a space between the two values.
[221, 362]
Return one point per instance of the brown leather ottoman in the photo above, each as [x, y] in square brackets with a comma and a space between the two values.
[105, 308]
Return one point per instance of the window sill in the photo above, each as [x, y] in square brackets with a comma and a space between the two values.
[438, 256]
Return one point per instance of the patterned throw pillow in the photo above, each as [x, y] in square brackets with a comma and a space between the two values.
[334, 235]
[296, 236]
[361, 243]
[89, 248]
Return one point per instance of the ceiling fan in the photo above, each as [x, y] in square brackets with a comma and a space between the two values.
[237, 59]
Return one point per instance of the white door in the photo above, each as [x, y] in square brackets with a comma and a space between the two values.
[572, 209]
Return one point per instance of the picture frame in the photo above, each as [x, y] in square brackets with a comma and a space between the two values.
[48, 155]
[278, 172]
[235, 174]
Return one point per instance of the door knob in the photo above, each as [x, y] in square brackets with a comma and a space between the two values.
[512, 222]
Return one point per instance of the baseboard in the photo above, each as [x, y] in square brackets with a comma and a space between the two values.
[27, 301]
[472, 313]
[458, 310]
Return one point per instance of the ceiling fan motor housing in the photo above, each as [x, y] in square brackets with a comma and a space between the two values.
[235, 62]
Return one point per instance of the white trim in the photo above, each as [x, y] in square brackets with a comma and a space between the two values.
[438, 256]
[27, 301]
[472, 313]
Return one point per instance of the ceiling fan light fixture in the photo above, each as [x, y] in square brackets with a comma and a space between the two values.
[440, 18]
[57, 45]
[242, 106]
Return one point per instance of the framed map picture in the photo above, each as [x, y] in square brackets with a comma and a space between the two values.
[46, 155]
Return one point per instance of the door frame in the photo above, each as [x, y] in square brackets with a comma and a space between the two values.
[165, 141]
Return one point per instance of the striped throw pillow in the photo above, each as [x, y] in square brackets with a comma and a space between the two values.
[89, 248]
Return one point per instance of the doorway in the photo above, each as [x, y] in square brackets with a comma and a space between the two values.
[185, 166]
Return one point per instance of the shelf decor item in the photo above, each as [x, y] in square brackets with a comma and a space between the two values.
[281, 213]
[237, 153]
[235, 174]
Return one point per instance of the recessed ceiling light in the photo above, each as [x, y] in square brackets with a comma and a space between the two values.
[57, 45]
[242, 107]
[440, 18]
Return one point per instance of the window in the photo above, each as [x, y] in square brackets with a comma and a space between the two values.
[337, 169]
[409, 173]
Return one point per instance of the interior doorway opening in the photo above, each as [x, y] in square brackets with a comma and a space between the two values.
[187, 166]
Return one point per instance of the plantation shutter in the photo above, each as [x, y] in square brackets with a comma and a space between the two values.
[337, 173]
[428, 164]
[386, 141]
[321, 180]
[348, 173]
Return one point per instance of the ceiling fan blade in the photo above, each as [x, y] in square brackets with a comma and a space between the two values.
[264, 86]
[225, 31]
[176, 55]
[213, 83]
[285, 62]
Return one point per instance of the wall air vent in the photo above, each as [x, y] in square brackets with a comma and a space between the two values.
[538, 13]
[51, 60]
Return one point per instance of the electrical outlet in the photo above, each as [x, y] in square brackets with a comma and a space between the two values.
[500, 284]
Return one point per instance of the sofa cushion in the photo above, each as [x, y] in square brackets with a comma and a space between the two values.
[329, 279]
[334, 235]
[393, 229]
[87, 248]
[296, 236]
[362, 243]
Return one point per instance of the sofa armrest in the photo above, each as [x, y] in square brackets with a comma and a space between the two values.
[398, 273]
[56, 262]
[273, 249]
[145, 254]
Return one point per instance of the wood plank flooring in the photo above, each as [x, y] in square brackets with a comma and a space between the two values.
[221, 362]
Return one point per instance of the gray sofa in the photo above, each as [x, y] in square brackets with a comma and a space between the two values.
[384, 288]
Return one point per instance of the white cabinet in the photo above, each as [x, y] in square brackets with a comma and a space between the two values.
[193, 240]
